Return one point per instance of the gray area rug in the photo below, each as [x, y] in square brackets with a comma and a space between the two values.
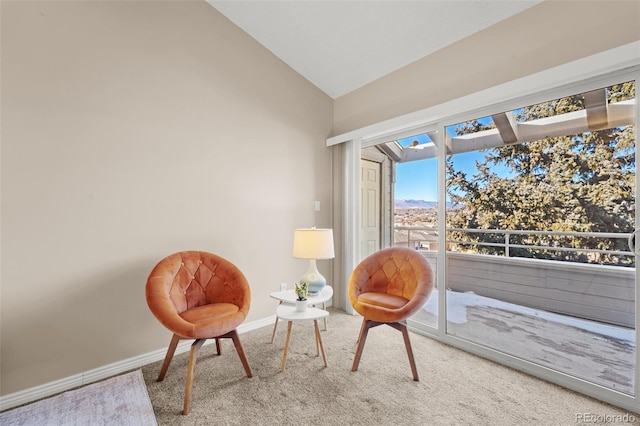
[455, 388]
[118, 401]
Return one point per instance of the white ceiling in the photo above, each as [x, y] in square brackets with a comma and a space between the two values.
[342, 45]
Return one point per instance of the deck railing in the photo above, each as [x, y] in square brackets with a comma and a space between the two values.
[594, 291]
[426, 237]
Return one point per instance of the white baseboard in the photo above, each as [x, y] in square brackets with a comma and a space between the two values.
[42, 391]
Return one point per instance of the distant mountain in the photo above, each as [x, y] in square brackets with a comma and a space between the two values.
[418, 204]
[414, 204]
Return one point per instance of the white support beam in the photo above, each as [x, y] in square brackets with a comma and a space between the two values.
[476, 141]
[433, 135]
[595, 102]
[419, 152]
[506, 124]
[619, 114]
[448, 144]
[392, 149]
[395, 135]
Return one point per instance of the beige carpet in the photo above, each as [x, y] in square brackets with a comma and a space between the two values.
[456, 388]
[118, 401]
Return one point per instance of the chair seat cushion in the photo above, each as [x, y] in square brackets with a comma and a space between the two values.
[213, 312]
[384, 300]
[212, 320]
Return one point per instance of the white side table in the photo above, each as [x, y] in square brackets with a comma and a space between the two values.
[290, 314]
[288, 297]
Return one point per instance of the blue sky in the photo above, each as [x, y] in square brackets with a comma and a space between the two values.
[418, 180]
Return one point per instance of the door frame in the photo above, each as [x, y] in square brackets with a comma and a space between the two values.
[386, 193]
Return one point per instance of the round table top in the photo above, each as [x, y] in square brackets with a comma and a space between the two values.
[289, 313]
[289, 296]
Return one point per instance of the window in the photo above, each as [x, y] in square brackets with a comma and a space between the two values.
[538, 265]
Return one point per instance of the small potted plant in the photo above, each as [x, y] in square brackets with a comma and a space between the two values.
[302, 290]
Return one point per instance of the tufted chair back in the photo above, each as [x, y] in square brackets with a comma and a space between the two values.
[198, 295]
[391, 284]
[387, 287]
[197, 281]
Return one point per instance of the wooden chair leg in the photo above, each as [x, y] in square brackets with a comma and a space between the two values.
[401, 326]
[407, 344]
[412, 361]
[243, 358]
[168, 357]
[364, 330]
[361, 331]
[195, 347]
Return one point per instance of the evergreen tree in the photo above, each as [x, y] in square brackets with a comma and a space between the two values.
[573, 183]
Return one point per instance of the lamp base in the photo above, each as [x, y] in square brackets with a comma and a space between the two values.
[315, 288]
[314, 279]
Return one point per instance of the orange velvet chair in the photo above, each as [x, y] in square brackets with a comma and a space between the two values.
[387, 287]
[198, 295]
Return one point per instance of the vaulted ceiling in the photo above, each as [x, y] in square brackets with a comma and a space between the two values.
[340, 46]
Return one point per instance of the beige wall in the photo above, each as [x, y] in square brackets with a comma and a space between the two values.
[551, 33]
[132, 130]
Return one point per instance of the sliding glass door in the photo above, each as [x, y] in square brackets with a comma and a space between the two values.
[537, 263]
[528, 232]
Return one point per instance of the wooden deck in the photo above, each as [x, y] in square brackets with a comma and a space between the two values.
[594, 292]
[595, 352]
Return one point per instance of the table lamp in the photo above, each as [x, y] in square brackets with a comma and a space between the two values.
[313, 244]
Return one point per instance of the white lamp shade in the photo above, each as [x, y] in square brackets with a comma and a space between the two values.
[313, 243]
